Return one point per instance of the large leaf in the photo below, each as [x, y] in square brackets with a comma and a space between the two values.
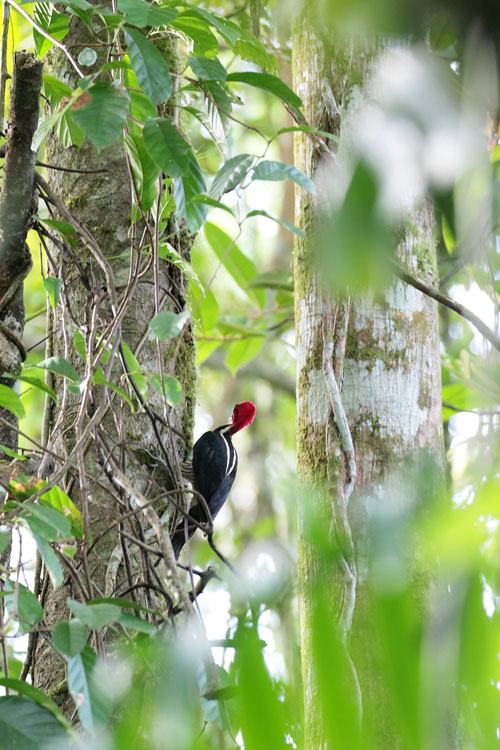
[269, 83]
[276, 170]
[142, 14]
[149, 66]
[241, 352]
[206, 69]
[94, 705]
[194, 26]
[25, 724]
[241, 268]
[168, 325]
[94, 616]
[48, 523]
[53, 288]
[70, 637]
[56, 498]
[29, 609]
[29, 691]
[172, 387]
[50, 560]
[186, 188]
[230, 175]
[60, 366]
[10, 400]
[166, 146]
[103, 116]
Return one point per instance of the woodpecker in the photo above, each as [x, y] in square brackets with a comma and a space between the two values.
[215, 463]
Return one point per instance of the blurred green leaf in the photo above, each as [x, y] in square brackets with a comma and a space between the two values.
[53, 288]
[207, 69]
[29, 610]
[168, 325]
[140, 13]
[241, 268]
[56, 498]
[94, 704]
[231, 174]
[70, 636]
[276, 170]
[241, 352]
[24, 723]
[135, 371]
[10, 400]
[29, 691]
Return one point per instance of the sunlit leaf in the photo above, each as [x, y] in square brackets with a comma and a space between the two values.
[207, 69]
[10, 400]
[166, 324]
[53, 288]
[61, 367]
[230, 175]
[142, 14]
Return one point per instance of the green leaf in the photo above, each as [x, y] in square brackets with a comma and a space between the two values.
[168, 325]
[36, 382]
[194, 26]
[56, 24]
[29, 609]
[277, 170]
[241, 268]
[53, 288]
[12, 454]
[307, 129]
[50, 559]
[273, 280]
[94, 616]
[186, 189]
[173, 389]
[56, 498]
[29, 691]
[135, 371]
[206, 69]
[204, 307]
[61, 367]
[167, 252]
[149, 66]
[142, 14]
[288, 225]
[137, 623]
[94, 705]
[5, 539]
[47, 522]
[24, 723]
[99, 379]
[79, 344]
[211, 202]
[145, 173]
[10, 400]
[166, 146]
[104, 116]
[70, 637]
[230, 175]
[264, 81]
[450, 241]
[241, 352]
[63, 227]
[253, 50]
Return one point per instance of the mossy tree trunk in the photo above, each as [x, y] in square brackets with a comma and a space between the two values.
[107, 448]
[386, 361]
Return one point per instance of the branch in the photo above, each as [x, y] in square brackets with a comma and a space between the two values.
[447, 302]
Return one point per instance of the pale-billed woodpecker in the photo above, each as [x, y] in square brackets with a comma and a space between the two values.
[215, 463]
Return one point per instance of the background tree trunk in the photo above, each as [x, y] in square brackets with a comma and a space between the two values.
[388, 360]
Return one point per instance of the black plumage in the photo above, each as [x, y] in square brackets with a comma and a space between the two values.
[215, 463]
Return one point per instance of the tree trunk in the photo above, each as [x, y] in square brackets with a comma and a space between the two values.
[107, 449]
[384, 352]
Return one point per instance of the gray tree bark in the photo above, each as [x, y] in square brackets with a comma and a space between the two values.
[384, 352]
[107, 456]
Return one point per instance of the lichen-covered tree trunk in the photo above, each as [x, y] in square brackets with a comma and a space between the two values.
[112, 287]
[388, 367]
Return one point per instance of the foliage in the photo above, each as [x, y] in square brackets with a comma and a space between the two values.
[153, 692]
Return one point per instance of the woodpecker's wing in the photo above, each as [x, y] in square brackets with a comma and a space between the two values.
[214, 459]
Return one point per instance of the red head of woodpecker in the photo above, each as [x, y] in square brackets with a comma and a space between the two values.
[215, 463]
